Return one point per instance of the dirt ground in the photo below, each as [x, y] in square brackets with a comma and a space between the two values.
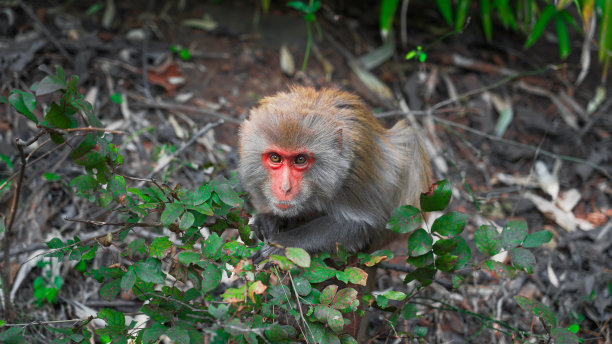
[552, 165]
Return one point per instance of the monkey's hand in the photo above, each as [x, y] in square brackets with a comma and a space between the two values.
[266, 225]
[266, 251]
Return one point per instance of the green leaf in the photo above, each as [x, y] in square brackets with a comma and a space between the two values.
[347, 339]
[110, 289]
[184, 54]
[150, 271]
[322, 312]
[328, 294]
[536, 239]
[13, 335]
[116, 98]
[171, 213]
[387, 13]
[159, 245]
[279, 333]
[186, 220]
[463, 253]
[116, 185]
[298, 255]
[419, 243]
[394, 295]
[444, 246]
[382, 301]
[57, 117]
[487, 240]
[211, 277]
[447, 12]
[450, 224]
[85, 186]
[538, 309]
[437, 198]
[227, 194]
[404, 219]
[501, 270]
[562, 37]
[574, 328]
[128, 279]
[51, 177]
[178, 335]
[605, 34]
[24, 103]
[316, 333]
[153, 333]
[90, 152]
[344, 298]
[219, 312]
[356, 275]
[422, 261]
[202, 195]
[409, 311]
[446, 262]
[462, 9]
[513, 234]
[506, 14]
[563, 336]
[538, 28]
[211, 246]
[423, 275]
[319, 273]
[187, 257]
[485, 15]
[136, 247]
[50, 84]
[335, 321]
[302, 286]
[114, 319]
[523, 259]
[94, 8]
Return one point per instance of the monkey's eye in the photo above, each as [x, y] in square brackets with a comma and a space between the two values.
[275, 158]
[300, 160]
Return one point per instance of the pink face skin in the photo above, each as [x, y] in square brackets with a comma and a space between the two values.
[286, 168]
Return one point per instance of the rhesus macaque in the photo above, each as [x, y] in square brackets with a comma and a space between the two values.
[322, 171]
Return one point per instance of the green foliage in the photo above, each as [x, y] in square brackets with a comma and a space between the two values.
[533, 17]
[308, 11]
[178, 276]
[46, 286]
[548, 318]
[387, 13]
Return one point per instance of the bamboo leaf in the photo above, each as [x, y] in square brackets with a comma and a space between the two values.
[447, 12]
[538, 28]
[485, 14]
[563, 37]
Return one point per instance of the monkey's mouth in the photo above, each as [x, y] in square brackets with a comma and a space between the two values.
[283, 205]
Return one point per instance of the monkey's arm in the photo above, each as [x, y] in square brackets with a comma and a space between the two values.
[319, 235]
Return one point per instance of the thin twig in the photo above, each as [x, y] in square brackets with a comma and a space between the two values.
[45, 32]
[169, 158]
[525, 146]
[6, 274]
[116, 132]
[180, 107]
[103, 223]
[9, 179]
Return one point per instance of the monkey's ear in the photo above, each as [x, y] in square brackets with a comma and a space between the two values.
[338, 140]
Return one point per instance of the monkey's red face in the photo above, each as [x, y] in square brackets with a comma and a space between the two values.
[286, 169]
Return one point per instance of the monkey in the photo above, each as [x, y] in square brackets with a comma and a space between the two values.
[322, 171]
